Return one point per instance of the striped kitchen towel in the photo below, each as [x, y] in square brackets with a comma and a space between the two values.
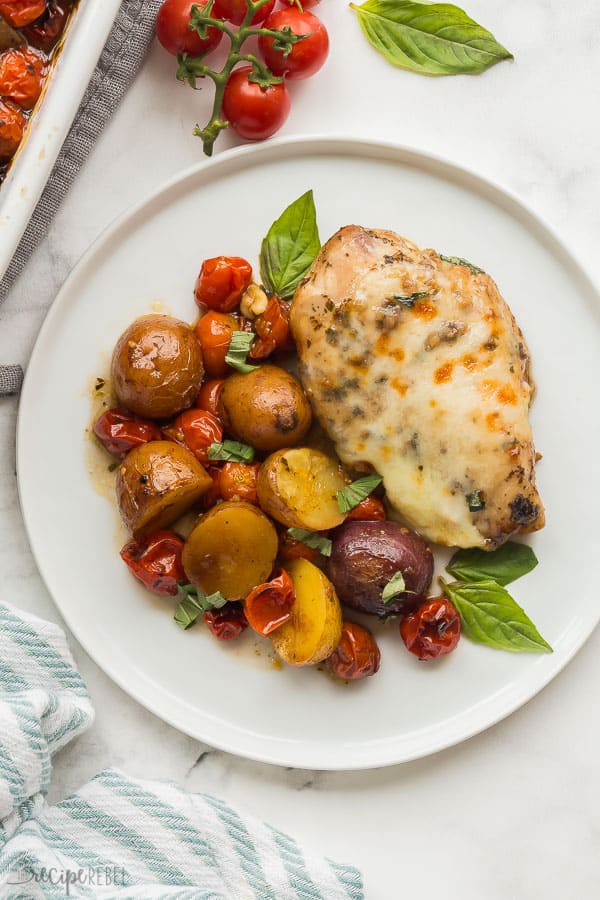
[119, 837]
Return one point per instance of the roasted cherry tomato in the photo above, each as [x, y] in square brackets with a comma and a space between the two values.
[253, 112]
[306, 56]
[357, 654]
[156, 561]
[432, 630]
[221, 282]
[174, 33]
[368, 510]
[208, 398]
[214, 332]
[120, 431]
[19, 13]
[195, 429]
[213, 494]
[290, 548]
[235, 11]
[12, 126]
[268, 606]
[272, 328]
[45, 33]
[238, 481]
[228, 622]
[22, 74]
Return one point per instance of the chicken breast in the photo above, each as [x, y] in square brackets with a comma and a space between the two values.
[415, 366]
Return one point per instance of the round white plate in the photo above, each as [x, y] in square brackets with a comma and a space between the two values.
[227, 695]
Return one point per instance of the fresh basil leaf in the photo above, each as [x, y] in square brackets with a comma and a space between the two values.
[187, 612]
[231, 451]
[355, 493]
[312, 539]
[396, 585]
[213, 601]
[291, 244]
[490, 616]
[503, 565]
[459, 261]
[194, 602]
[410, 299]
[430, 38]
[237, 352]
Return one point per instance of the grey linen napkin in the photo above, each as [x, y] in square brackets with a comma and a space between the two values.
[119, 62]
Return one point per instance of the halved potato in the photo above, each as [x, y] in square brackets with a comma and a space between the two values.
[299, 488]
[156, 484]
[231, 550]
[315, 627]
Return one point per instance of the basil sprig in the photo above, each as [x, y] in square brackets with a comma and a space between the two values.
[503, 565]
[230, 451]
[238, 350]
[291, 244]
[312, 539]
[395, 586]
[430, 38]
[355, 493]
[193, 602]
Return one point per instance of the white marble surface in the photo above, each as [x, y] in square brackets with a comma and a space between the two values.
[513, 812]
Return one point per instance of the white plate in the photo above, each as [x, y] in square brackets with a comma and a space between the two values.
[85, 37]
[226, 695]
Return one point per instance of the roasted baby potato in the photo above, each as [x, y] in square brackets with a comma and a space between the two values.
[232, 549]
[315, 627]
[366, 555]
[266, 408]
[299, 488]
[157, 367]
[156, 483]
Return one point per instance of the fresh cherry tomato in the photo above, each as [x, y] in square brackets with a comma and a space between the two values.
[22, 74]
[306, 56]
[307, 4]
[432, 630]
[19, 13]
[368, 510]
[208, 398]
[235, 11]
[290, 548]
[253, 112]
[357, 654]
[174, 33]
[45, 33]
[214, 332]
[12, 126]
[228, 622]
[272, 328]
[238, 481]
[195, 429]
[156, 561]
[268, 606]
[120, 431]
[213, 494]
[221, 282]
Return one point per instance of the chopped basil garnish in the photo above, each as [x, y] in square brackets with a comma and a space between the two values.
[396, 585]
[194, 602]
[475, 501]
[503, 565]
[312, 539]
[459, 261]
[231, 451]
[239, 348]
[410, 299]
[355, 493]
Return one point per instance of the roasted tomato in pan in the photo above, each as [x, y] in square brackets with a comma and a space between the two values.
[19, 13]
[214, 332]
[22, 73]
[195, 429]
[228, 622]
[272, 329]
[221, 282]
[45, 33]
[432, 630]
[268, 606]
[213, 494]
[12, 126]
[370, 509]
[290, 548]
[357, 654]
[156, 561]
[120, 431]
[208, 398]
[237, 481]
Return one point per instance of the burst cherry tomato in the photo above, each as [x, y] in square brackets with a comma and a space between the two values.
[238, 481]
[195, 429]
[432, 630]
[228, 622]
[357, 654]
[253, 112]
[268, 606]
[208, 398]
[235, 11]
[214, 332]
[156, 561]
[272, 328]
[368, 510]
[290, 548]
[174, 33]
[12, 126]
[221, 282]
[213, 494]
[22, 74]
[19, 13]
[44, 34]
[120, 431]
[306, 56]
